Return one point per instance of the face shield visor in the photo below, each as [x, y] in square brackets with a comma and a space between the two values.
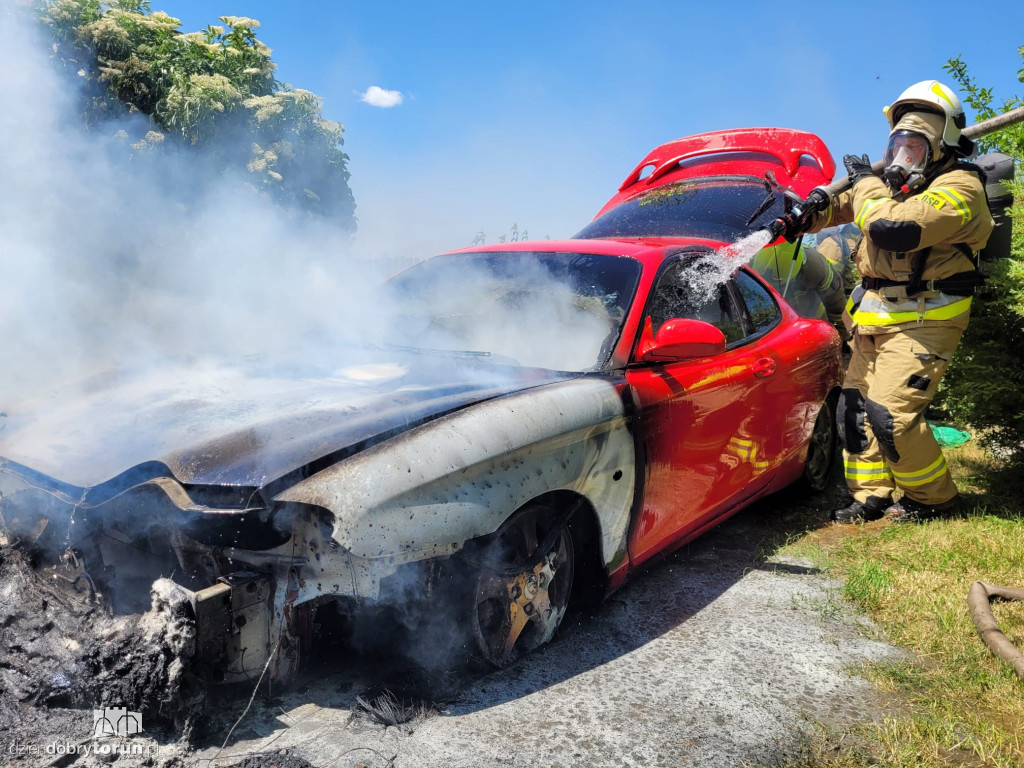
[906, 158]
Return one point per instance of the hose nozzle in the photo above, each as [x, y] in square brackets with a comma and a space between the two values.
[775, 228]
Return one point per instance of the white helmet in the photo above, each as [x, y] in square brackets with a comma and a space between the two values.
[933, 96]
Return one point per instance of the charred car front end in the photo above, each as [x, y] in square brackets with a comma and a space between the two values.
[268, 499]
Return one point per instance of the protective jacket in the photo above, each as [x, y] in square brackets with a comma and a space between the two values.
[804, 278]
[839, 250]
[933, 234]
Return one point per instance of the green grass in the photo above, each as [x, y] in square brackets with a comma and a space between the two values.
[954, 703]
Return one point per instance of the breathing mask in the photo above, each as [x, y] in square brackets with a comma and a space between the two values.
[906, 157]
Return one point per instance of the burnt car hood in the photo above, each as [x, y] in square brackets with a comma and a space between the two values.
[239, 425]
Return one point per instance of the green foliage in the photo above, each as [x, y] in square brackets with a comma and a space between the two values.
[1010, 140]
[983, 385]
[213, 90]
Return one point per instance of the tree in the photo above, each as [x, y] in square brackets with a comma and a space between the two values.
[983, 385]
[213, 91]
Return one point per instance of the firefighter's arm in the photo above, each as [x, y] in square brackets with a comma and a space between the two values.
[936, 215]
[830, 251]
[818, 275]
[839, 212]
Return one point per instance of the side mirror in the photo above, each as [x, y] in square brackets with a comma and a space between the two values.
[680, 339]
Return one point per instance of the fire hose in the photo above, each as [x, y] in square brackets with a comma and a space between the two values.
[978, 600]
[801, 211]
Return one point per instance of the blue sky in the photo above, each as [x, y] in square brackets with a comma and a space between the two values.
[533, 113]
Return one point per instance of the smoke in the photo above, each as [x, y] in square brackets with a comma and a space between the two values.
[523, 309]
[108, 260]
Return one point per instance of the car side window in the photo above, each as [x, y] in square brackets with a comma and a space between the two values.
[762, 310]
[681, 293]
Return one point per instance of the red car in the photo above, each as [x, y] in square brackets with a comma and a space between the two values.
[715, 189]
[533, 420]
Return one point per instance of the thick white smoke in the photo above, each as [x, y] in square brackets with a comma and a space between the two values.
[108, 261]
[102, 263]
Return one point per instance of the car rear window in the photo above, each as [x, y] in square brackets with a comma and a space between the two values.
[714, 209]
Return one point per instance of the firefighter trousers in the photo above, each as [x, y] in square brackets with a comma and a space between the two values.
[887, 444]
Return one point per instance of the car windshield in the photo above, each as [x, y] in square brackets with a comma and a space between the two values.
[555, 310]
[713, 209]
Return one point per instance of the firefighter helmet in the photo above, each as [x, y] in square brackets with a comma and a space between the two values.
[933, 96]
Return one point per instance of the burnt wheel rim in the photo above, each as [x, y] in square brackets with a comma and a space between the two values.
[523, 585]
[821, 449]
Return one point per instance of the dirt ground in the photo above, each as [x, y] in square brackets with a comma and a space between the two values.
[713, 657]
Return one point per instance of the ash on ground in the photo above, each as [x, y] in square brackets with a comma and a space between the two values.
[280, 759]
[63, 656]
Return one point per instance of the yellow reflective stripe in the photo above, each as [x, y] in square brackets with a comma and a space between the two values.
[921, 472]
[866, 208]
[945, 312]
[913, 479]
[743, 449]
[952, 197]
[964, 208]
[924, 481]
[866, 470]
[865, 464]
[866, 475]
[829, 276]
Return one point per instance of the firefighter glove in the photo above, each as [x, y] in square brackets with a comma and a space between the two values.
[801, 217]
[857, 167]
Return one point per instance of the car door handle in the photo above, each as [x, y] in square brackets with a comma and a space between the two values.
[763, 367]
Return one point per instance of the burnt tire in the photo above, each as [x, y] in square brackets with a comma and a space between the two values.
[821, 449]
[522, 581]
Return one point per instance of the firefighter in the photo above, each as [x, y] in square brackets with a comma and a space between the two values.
[838, 245]
[805, 279]
[923, 224]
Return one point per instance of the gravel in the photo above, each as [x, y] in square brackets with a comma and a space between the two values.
[711, 658]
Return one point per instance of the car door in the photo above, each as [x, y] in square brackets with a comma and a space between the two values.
[702, 424]
[808, 362]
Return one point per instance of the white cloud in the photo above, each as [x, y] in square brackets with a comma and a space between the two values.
[376, 96]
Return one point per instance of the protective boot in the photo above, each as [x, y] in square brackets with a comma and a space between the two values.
[860, 511]
[906, 510]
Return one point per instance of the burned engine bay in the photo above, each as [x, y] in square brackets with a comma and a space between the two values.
[144, 596]
[268, 530]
